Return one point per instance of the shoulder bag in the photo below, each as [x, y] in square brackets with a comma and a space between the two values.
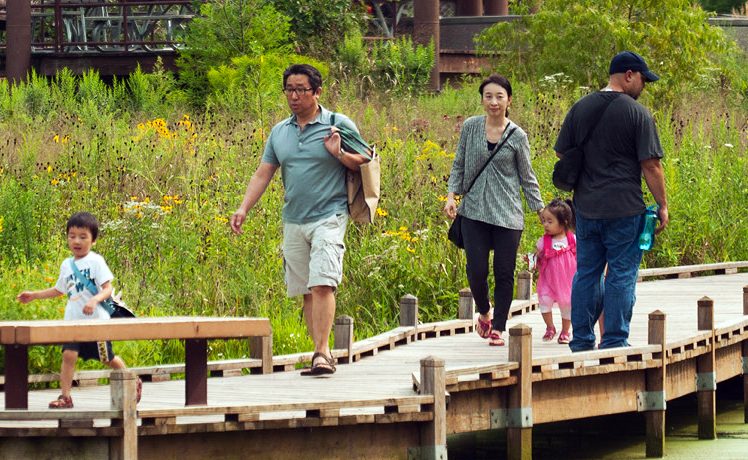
[362, 186]
[113, 305]
[455, 230]
[567, 169]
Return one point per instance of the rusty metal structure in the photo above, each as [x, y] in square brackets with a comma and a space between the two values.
[113, 36]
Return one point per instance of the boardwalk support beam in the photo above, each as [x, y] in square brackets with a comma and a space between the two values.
[654, 400]
[434, 433]
[706, 395]
[519, 438]
[123, 392]
[344, 337]
[466, 305]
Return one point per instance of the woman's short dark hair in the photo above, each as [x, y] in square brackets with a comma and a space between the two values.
[499, 80]
[84, 220]
[315, 78]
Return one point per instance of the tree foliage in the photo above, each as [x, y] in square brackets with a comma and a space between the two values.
[317, 25]
[579, 37]
[226, 29]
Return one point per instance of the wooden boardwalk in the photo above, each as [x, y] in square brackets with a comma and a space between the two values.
[371, 407]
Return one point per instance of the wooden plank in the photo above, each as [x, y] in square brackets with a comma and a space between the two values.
[59, 331]
[652, 272]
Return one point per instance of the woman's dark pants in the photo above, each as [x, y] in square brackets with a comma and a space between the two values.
[480, 238]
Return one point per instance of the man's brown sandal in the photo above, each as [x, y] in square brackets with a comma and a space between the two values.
[326, 367]
[62, 402]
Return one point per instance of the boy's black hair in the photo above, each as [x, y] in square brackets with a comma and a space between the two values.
[84, 220]
[564, 212]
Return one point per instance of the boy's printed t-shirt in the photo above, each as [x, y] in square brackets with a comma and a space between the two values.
[93, 267]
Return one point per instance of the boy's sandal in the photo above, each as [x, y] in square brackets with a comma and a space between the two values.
[483, 328]
[495, 340]
[62, 402]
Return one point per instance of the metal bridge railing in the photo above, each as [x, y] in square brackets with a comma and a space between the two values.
[79, 26]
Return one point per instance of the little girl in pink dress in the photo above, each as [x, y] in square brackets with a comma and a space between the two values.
[557, 262]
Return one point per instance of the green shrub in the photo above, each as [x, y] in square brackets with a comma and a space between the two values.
[253, 84]
[398, 66]
[673, 35]
[317, 24]
[226, 29]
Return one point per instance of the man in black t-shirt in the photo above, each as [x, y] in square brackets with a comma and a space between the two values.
[608, 199]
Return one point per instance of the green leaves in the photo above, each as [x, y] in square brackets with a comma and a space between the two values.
[579, 37]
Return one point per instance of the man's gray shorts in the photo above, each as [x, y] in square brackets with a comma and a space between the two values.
[313, 254]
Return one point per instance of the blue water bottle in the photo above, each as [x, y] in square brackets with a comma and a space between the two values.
[647, 237]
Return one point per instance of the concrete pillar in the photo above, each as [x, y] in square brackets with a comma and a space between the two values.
[18, 33]
[426, 29]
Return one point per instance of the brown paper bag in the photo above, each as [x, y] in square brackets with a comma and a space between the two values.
[363, 191]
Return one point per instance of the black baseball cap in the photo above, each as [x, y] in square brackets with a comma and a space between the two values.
[628, 60]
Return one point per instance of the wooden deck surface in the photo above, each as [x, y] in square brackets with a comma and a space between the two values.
[375, 383]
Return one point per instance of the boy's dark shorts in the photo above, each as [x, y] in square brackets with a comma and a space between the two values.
[89, 350]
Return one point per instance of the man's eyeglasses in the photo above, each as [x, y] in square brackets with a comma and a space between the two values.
[297, 91]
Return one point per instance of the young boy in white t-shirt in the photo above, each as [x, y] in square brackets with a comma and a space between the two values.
[82, 230]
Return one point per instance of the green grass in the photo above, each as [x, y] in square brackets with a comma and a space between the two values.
[164, 182]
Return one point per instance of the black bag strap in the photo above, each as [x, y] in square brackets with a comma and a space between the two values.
[600, 113]
[493, 154]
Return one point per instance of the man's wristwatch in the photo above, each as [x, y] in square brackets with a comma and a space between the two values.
[341, 154]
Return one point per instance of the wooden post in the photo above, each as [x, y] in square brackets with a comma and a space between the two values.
[122, 384]
[434, 433]
[262, 348]
[426, 29]
[344, 337]
[409, 310]
[706, 379]
[524, 285]
[497, 7]
[16, 376]
[745, 358]
[519, 426]
[656, 378]
[466, 306]
[195, 372]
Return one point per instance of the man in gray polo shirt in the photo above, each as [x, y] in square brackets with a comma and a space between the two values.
[308, 151]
